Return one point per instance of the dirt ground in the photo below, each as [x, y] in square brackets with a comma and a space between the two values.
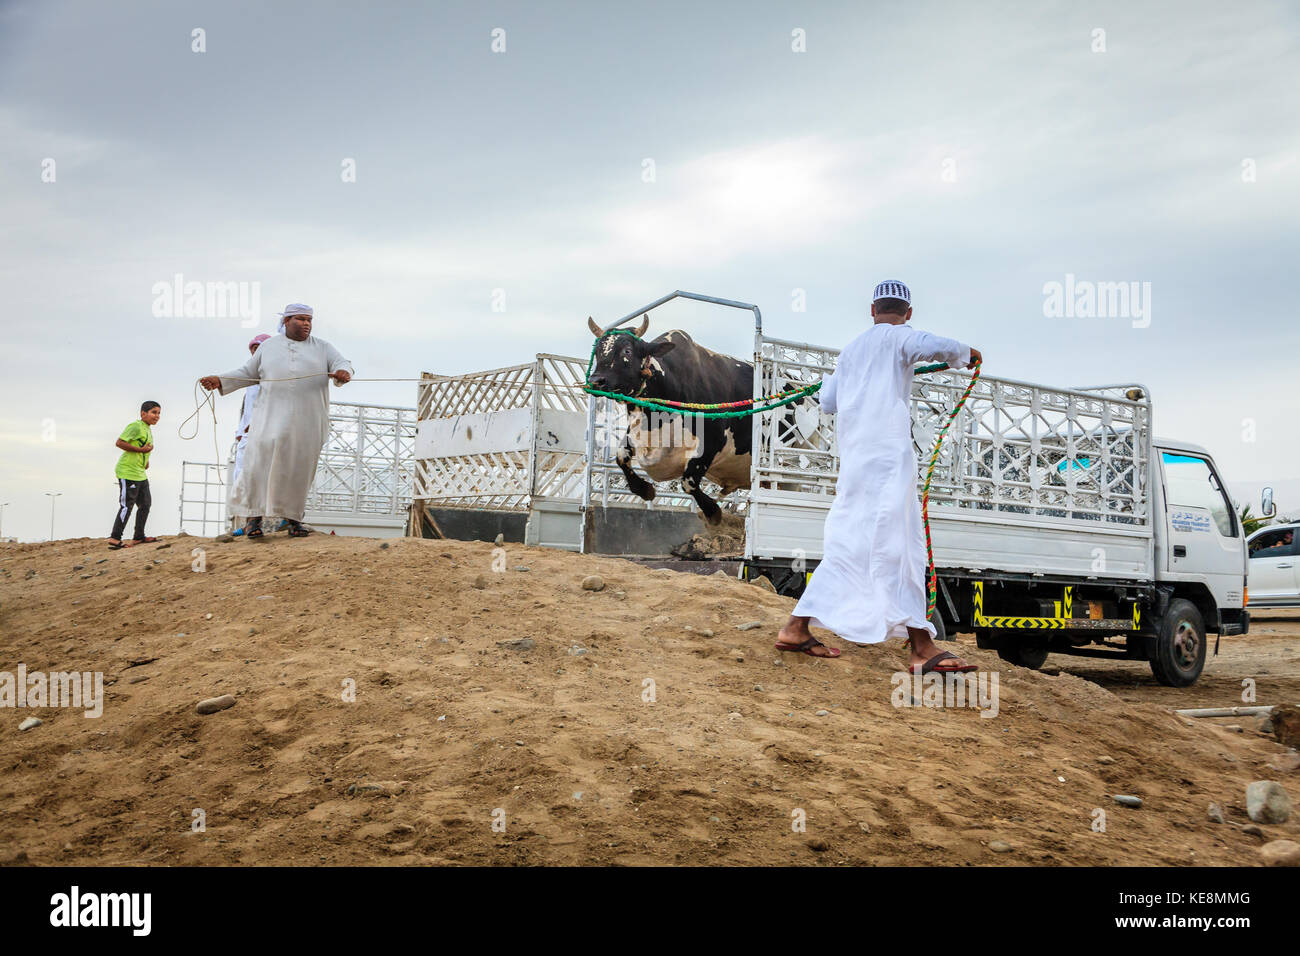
[636, 724]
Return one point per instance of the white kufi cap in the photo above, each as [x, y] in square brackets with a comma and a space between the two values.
[892, 289]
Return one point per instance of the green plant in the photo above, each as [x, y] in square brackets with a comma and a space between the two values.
[1249, 523]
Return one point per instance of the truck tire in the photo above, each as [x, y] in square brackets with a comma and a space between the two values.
[1022, 653]
[940, 631]
[1179, 654]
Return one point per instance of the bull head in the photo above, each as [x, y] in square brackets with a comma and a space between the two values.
[622, 362]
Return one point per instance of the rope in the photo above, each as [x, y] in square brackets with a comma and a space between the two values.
[933, 596]
[207, 399]
[746, 407]
[740, 409]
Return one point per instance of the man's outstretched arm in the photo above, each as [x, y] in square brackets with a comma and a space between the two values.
[928, 347]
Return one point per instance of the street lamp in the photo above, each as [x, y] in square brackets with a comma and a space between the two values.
[52, 495]
[3, 506]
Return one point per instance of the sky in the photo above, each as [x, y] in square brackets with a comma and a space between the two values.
[456, 187]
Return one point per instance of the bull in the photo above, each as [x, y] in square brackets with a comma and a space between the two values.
[669, 446]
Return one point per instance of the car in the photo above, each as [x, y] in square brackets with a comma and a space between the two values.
[1273, 568]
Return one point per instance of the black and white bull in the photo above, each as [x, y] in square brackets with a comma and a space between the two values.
[667, 445]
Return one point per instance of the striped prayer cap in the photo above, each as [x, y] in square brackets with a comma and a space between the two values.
[892, 289]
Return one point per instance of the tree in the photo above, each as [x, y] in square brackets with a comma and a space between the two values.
[1249, 523]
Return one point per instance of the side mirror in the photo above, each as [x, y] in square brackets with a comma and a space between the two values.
[1266, 509]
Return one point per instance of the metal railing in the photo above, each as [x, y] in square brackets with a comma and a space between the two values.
[366, 468]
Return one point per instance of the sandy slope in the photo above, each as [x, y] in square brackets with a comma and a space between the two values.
[448, 725]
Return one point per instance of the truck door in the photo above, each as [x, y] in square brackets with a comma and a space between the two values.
[1204, 535]
[1273, 567]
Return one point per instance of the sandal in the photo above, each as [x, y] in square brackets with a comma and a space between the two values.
[253, 529]
[296, 530]
[936, 665]
[807, 646]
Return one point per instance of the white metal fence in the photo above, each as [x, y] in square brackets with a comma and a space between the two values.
[1019, 455]
[203, 498]
[502, 438]
[1014, 447]
[366, 471]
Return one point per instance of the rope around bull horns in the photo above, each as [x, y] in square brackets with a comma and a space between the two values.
[770, 402]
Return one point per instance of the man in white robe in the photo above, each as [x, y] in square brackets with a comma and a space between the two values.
[871, 582]
[241, 432]
[290, 420]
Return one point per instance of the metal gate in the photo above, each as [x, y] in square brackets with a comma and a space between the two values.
[515, 442]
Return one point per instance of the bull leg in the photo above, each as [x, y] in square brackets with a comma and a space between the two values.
[639, 486]
[691, 479]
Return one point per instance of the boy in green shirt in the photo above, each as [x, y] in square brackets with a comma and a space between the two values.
[136, 442]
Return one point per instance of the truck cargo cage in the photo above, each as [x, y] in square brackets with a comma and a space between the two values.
[1019, 458]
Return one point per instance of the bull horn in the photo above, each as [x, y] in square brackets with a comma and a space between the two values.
[595, 329]
[645, 324]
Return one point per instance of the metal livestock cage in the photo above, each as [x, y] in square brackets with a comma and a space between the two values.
[523, 451]
[1030, 477]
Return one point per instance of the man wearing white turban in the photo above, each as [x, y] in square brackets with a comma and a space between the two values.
[290, 420]
[870, 584]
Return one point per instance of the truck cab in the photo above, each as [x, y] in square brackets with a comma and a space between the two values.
[1200, 552]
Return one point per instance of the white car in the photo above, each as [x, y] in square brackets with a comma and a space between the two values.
[1274, 566]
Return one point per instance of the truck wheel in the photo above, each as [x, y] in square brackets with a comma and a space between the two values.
[1179, 653]
[1022, 654]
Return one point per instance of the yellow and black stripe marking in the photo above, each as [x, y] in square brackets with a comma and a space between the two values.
[1062, 617]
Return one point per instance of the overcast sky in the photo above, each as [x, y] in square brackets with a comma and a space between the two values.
[976, 151]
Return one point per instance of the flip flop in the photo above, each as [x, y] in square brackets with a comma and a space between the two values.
[144, 540]
[116, 547]
[807, 646]
[936, 665]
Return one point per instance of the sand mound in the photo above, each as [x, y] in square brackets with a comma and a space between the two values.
[518, 697]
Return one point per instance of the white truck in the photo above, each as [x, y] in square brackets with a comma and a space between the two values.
[1059, 523]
